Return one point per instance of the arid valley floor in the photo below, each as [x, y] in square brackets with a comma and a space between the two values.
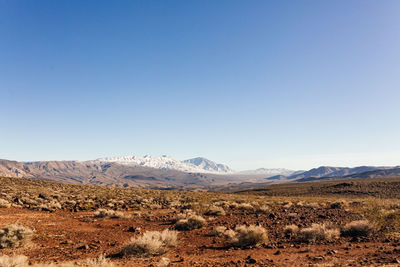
[332, 223]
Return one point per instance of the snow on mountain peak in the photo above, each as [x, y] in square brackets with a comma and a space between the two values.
[165, 162]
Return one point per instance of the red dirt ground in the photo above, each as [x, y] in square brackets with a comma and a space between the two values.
[64, 236]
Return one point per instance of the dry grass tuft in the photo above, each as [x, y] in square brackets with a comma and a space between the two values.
[13, 261]
[14, 236]
[218, 231]
[151, 243]
[190, 223]
[291, 230]
[4, 203]
[245, 206]
[358, 228]
[246, 236]
[22, 261]
[319, 232]
[103, 213]
[215, 211]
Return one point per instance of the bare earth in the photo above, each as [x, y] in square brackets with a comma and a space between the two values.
[63, 236]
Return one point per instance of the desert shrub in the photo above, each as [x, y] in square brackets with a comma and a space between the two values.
[263, 209]
[358, 228]
[103, 213]
[215, 211]
[14, 236]
[184, 215]
[218, 231]
[246, 236]
[229, 233]
[22, 261]
[319, 232]
[311, 205]
[4, 203]
[233, 205]
[101, 261]
[287, 204]
[13, 261]
[222, 204]
[190, 223]
[151, 243]
[291, 230]
[245, 206]
[51, 206]
[338, 205]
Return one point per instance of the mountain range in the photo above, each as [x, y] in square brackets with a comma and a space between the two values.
[164, 162]
[165, 172]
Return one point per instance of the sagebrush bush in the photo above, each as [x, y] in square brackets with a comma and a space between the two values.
[338, 205]
[190, 223]
[22, 261]
[358, 228]
[319, 232]
[246, 236]
[217, 231]
[287, 204]
[291, 230]
[13, 261]
[245, 206]
[263, 209]
[4, 203]
[14, 236]
[215, 211]
[103, 213]
[151, 243]
[311, 205]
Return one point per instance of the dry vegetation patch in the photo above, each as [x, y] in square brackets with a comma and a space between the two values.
[358, 228]
[246, 236]
[319, 232]
[291, 230]
[22, 261]
[215, 211]
[191, 222]
[151, 243]
[4, 203]
[104, 213]
[14, 236]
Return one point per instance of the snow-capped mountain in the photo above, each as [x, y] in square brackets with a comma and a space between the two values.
[164, 162]
[208, 165]
[194, 165]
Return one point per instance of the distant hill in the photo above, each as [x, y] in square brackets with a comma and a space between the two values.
[109, 173]
[167, 173]
[326, 171]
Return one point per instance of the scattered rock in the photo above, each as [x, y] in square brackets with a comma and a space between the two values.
[331, 252]
[82, 246]
[131, 229]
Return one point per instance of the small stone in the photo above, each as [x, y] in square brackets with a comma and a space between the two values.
[331, 252]
[251, 261]
[131, 229]
[278, 252]
[82, 246]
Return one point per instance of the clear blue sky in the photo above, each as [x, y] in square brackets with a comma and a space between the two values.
[293, 84]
